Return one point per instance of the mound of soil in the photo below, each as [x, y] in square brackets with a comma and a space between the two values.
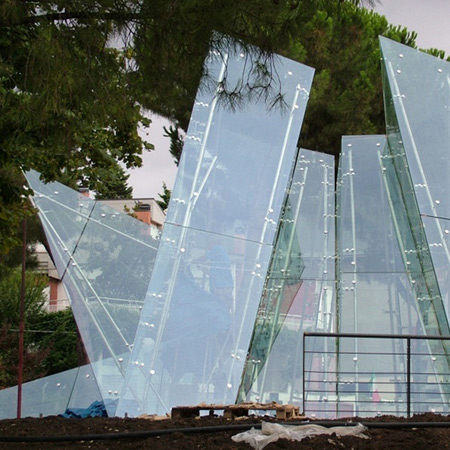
[121, 433]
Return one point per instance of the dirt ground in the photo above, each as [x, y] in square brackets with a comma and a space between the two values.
[88, 429]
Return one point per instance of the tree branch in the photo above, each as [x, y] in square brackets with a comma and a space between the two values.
[76, 15]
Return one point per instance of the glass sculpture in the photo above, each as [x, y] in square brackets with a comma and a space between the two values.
[249, 259]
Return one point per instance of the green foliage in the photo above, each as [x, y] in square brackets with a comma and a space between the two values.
[57, 332]
[176, 142]
[76, 78]
[10, 297]
[13, 258]
[112, 184]
[68, 108]
[346, 96]
[50, 340]
[165, 197]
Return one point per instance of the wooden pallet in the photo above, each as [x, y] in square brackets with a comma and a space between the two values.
[283, 412]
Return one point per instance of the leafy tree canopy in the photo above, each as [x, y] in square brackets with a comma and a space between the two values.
[76, 76]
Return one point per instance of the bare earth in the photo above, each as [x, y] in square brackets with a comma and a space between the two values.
[380, 438]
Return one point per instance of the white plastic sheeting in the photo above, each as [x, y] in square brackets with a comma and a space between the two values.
[271, 432]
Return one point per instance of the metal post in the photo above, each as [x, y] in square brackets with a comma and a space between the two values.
[408, 376]
[21, 320]
[303, 377]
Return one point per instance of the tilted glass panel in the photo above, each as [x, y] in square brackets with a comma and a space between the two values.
[236, 164]
[408, 222]
[64, 213]
[85, 390]
[298, 292]
[230, 185]
[420, 248]
[113, 263]
[420, 87]
[105, 266]
[416, 103]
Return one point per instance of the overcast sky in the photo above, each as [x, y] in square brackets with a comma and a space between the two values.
[429, 18]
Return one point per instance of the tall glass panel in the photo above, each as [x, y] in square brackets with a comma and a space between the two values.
[418, 135]
[196, 324]
[417, 101]
[372, 279]
[104, 259]
[420, 91]
[374, 290]
[298, 290]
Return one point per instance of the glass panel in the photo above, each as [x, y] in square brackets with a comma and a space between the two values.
[375, 294]
[50, 395]
[298, 292]
[47, 396]
[236, 163]
[216, 242]
[420, 87]
[85, 389]
[417, 100]
[373, 381]
[372, 376]
[408, 222]
[429, 377]
[112, 265]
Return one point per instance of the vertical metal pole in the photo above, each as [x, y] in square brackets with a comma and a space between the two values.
[303, 378]
[354, 262]
[408, 376]
[21, 320]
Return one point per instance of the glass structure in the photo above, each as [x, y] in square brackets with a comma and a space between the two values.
[263, 246]
[215, 249]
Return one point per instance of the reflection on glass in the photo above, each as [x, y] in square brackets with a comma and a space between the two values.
[195, 327]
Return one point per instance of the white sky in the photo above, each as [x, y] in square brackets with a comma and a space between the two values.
[429, 18]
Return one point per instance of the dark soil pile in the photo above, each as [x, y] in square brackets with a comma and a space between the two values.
[87, 431]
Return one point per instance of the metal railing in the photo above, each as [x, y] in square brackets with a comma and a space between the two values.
[347, 374]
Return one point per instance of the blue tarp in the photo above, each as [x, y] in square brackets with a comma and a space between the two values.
[96, 409]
